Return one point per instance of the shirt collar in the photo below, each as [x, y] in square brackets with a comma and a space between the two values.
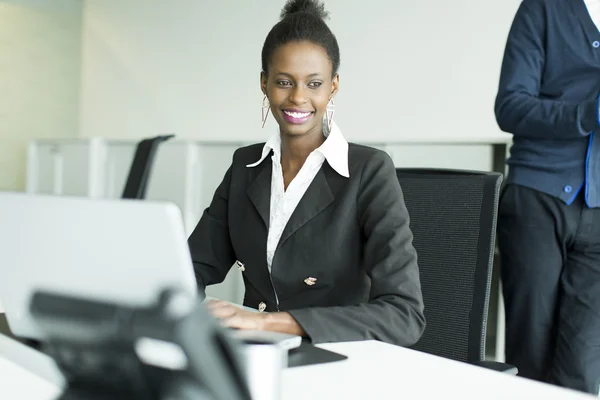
[273, 144]
[334, 149]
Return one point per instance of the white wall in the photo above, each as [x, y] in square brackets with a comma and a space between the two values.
[417, 68]
[40, 44]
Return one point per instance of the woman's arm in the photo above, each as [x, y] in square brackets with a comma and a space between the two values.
[282, 322]
[233, 316]
[210, 245]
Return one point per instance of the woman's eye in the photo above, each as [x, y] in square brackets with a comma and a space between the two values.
[283, 83]
[314, 85]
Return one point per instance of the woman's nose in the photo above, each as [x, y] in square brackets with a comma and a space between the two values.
[298, 95]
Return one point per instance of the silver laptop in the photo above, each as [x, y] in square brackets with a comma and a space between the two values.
[283, 340]
[122, 251]
[119, 251]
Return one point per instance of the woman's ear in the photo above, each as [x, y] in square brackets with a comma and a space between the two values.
[263, 83]
[335, 84]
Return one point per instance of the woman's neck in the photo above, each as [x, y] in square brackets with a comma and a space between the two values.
[295, 150]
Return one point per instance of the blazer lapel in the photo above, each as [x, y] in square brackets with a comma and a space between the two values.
[317, 198]
[260, 191]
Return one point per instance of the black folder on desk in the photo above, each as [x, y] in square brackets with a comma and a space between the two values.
[307, 354]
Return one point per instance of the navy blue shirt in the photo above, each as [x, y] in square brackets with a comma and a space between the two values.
[548, 99]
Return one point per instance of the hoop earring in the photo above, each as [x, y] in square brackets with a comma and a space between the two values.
[266, 106]
[329, 112]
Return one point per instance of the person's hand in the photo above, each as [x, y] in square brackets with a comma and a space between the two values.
[232, 316]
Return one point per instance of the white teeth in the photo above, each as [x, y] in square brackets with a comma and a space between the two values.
[297, 114]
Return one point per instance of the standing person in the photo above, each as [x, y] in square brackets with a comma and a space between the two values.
[317, 226]
[549, 216]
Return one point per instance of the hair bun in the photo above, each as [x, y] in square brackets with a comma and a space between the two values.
[313, 7]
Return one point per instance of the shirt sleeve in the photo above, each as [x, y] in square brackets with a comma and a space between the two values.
[519, 107]
[394, 312]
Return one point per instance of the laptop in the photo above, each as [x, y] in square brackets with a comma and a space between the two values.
[285, 341]
[119, 251]
[116, 251]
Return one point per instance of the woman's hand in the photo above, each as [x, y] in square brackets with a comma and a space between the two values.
[232, 316]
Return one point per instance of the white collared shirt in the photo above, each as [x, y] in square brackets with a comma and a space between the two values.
[284, 202]
[593, 7]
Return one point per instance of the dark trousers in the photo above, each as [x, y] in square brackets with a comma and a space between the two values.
[550, 271]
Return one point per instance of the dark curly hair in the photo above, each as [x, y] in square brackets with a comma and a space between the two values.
[302, 20]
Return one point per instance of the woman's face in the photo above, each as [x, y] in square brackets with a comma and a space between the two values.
[299, 85]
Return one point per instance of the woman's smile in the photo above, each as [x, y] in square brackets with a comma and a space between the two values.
[297, 117]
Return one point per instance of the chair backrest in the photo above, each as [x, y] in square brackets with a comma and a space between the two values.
[141, 165]
[453, 218]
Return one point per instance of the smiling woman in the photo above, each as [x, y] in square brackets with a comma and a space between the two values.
[319, 229]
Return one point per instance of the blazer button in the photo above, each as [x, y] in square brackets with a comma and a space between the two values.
[241, 266]
[262, 306]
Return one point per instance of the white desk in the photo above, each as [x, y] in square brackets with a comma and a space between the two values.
[376, 370]
[373, 370]
[26, 373]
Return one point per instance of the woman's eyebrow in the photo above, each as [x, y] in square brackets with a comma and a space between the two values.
[315, 74]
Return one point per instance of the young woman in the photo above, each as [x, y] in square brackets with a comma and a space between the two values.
[317, 226]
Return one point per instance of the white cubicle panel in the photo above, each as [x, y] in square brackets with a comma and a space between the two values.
[172, 176]
[119, 155]
[65, 167]
[172, 172]
[214, 161]
[477, 157]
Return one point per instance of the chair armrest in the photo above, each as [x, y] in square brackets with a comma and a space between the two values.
[497, 366]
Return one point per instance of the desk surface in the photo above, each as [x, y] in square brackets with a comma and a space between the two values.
[373, 370]
[376, 370]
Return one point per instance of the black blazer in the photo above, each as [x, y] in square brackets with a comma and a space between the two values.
[350, 234]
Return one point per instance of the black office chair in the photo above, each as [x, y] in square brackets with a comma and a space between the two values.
[453, 219]
[141, 166]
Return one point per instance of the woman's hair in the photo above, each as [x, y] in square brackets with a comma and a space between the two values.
[302, 20]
